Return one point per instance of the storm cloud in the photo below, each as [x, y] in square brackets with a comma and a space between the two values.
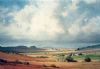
[49, 20]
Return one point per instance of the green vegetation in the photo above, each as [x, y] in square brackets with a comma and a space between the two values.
[70, 59]
[42, 56]
[61, 58]
[64, 58]
[92, 56]
[87, 59]
[80, 57]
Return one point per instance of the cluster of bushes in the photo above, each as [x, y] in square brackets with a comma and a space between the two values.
[87, 59]
[69, 58]
[20, 62]
[64, 58]
[2, 61]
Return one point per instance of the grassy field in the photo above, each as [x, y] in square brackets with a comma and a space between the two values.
[92, 56]
[61, 56]
[40, 62]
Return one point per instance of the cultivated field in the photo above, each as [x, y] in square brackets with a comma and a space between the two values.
[50, 60]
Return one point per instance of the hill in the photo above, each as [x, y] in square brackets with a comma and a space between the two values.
[90, 47]
[19, 49]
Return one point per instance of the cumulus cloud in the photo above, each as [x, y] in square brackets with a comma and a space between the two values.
[61, 20]
[36, 23]
[92, 26]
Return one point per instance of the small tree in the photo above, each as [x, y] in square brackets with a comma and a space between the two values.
[87, 59]
[78, 48]
[80, 54]
[70, 59]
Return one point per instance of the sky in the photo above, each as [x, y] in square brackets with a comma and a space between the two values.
[36, 22]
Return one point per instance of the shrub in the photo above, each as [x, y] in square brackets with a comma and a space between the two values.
[87, 59]
[18, 62]
[77, 49]
[44, 65]
[70, 59]
[80, 54]
[53, 65]
[61, 54]
[2, 61]
[42, 57]
[26, 63]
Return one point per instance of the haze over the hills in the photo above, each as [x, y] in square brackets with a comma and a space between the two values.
[20, 49]
[49, 23]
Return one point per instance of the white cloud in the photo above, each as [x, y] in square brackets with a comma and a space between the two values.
[65, 14]
[74, 30]
[39, 22]
[92, 26]
[74, 6]
[36, 23]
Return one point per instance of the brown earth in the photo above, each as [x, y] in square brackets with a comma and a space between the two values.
[40, 64]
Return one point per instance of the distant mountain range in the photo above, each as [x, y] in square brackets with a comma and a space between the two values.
[90, 47]
[25, 49]
[19, 49]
